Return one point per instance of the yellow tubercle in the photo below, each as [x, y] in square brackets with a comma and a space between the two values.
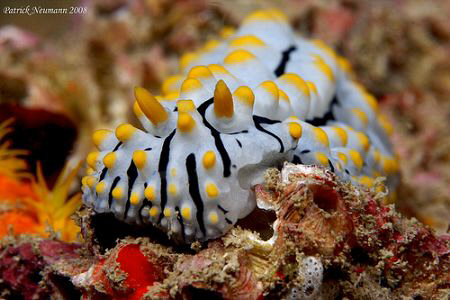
[172, 189]
[149, 106]
[296, 81]
[186, 212]
[185, 105]
[191, 84]
[322, 158]
[226, 32]
[99, 136]
[245, 95]
[100, 188]
[361, 116]
[209, 159]
[211, 190]
[283, 96]
[200, 72]
[187, 59]
[211, 45]
[91, 181]
[153, 212]
[238, 56]
[91, 159]
[342, 134]
[295, 130]
[149, 193]
[271, 88]
[109, 160]
[185, 122]
[117, 193]
[363, 140]
[355, 156]
[134, 198]
[139, 158]
[321, 136]
[169, 85]
[217, 69]
[342, 157]
[223, 100]
[311, 87]
[323, 67]
[213, 217]
[167, 212]
[124, 132]
[247, 40]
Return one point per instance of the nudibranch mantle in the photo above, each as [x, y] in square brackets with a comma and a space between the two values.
[256, 98]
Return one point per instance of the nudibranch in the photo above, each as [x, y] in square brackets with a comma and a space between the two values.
[256, 98]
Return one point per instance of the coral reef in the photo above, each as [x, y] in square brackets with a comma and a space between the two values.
[328, 239]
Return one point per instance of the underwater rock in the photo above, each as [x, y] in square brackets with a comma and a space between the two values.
[329, 239]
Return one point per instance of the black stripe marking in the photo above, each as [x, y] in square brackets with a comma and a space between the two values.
[147, 149]
[222, 209]
[331, 166]
[162, 168]
[228, 220]
[191, 168]
[239, 143]
[216, 135]
[117, 147]
[328, 116]
[103, 174]
[144, 204]
[180, 220]
[284, 60]
[132, 175]
[305, 151]
[261, 120]
[238, 132]
[110, 197]
[297, 160]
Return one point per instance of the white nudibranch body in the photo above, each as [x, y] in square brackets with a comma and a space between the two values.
[257, 98]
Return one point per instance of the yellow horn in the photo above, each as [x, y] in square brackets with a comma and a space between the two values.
[223, 101]
[152, 109]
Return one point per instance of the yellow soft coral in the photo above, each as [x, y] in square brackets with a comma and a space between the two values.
[10, 164]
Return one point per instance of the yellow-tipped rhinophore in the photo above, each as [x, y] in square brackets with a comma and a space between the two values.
[295, 130]
[223, 100]
[185, 122]
[139, 158]
[245, 95]
[148, 104]
[99, 136]
[124, 132]
[109, 160]
[185, 105]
